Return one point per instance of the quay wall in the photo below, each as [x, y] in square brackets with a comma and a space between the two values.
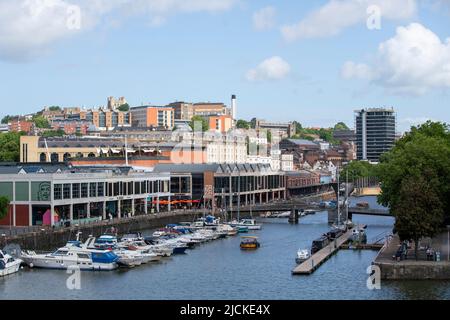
[51, 239]
[414, 271]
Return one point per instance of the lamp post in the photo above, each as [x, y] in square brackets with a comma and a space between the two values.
[448, 243]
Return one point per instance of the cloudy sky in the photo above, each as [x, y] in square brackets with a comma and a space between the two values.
[312, 61]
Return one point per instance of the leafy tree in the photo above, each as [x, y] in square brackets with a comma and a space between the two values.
[10, 146]
[199, 119]
[298, 127]
[253, 123]
[341, 126]
[414, 179]
[359, 169]
[54, 108]
[419, 211]
[242, 124]
[41, 122]
[6, 119]
[124, 107]
[4, 206]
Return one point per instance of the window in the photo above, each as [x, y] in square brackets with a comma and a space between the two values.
[101, 189]
[54, 158]
[116, 189]
[110, 190]
[84, 190]
[75, 190]
[66, 191]
[93, 190]
[137, 188]
[57, 192]
[43, 157]
[83, 255]
[66, 157]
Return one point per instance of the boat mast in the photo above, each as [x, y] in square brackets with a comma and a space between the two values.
[239, 194]
[346, 194]
[338, 191]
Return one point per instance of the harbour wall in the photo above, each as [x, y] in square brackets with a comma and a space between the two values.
[415, 270]
[50, 239]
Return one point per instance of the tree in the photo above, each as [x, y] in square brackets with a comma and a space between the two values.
[425, 148]
[10, 146]
[54, 108]
[414, 179]
[124, 107]
[4, 206]
[6, 119]
[359, 169]
[41, 122]
[199, 121]
[341, 126]
[419, 211]
[298, 127]
[242, 124]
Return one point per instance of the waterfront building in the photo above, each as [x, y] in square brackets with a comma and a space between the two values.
[302, 182]
[375, 132]
[221, 185]
[153, 116]
[55, 192]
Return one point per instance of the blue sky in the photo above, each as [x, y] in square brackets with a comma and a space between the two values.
[325, 66]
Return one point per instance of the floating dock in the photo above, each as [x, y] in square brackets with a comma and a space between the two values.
[310, 265]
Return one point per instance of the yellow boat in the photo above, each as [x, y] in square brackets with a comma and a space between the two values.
[249, 243]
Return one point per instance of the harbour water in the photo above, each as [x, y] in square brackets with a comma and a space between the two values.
[220, 270]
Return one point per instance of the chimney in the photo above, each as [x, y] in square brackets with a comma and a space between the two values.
[233, 107]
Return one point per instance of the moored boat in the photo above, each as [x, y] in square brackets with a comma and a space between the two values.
[8, 264]
[249, 243]
[302, 256]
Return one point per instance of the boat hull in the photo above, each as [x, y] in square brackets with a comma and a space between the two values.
[11, 268]
[49, 263]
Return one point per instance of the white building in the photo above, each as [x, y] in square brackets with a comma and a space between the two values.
[287, 162]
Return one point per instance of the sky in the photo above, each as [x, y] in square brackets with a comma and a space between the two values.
[311, 61]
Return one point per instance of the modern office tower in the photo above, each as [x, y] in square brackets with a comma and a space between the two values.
[375, 132]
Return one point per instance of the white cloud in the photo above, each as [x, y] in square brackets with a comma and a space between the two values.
[414, 61]
[264, 19]
[29, 28]
[274, 68]
[337, 15]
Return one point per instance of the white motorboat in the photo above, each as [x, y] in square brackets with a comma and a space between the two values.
[248, 223]
[129, 258]
[285, 214]
[8, 264]
[302, 256]
[74, 254]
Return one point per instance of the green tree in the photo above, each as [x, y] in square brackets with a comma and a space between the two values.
[359, 169]
[419, 211]
[41, 122]
[124, 107]
[6, 119]
[341, 126]
[298, 127]
[198, 119]
[414, 179]
[4, 206]
[242, 124]
[54, 108]
[10, 146]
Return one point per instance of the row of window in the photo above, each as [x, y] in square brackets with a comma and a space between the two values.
[108, 189]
